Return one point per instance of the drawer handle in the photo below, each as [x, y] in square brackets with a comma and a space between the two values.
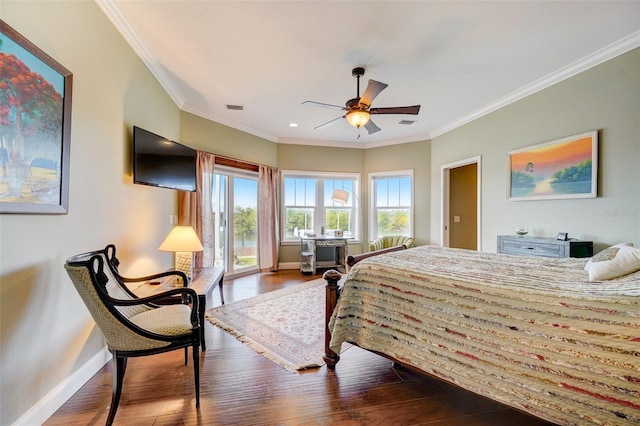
[531, 248]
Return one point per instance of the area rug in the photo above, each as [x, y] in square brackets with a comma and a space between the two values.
[286, 326]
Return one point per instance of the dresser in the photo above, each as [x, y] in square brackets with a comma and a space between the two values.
[544, 247]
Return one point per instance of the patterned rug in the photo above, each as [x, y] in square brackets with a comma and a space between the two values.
[286, 326]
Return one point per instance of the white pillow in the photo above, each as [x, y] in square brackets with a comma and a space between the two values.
[626, 261]
[607, 254]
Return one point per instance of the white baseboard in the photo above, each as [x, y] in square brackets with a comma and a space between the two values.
[48, 405]
[289, 265]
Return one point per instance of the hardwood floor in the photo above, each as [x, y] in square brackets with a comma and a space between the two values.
[240, 387]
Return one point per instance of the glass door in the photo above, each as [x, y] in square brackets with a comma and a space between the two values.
[236, 227]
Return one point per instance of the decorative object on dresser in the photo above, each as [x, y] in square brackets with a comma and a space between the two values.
[183, 241]
[545, 247]
[522, 230]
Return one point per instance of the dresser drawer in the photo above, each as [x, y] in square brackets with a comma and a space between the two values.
[545, 247]
[530, 248]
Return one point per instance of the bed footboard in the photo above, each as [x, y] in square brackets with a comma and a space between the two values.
[332, 277]
[352, 260]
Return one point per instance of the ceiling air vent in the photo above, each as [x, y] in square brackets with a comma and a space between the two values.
[235, 107]
[407, 122]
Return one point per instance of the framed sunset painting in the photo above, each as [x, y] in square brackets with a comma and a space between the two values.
[563, 168]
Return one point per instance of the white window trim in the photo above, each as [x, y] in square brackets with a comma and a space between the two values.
[373, 224]
[319, 200]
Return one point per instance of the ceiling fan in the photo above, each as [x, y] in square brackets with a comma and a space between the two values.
[359, 111]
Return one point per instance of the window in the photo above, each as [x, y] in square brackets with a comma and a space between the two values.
[236, 227]
[308, 207]
[391, 203]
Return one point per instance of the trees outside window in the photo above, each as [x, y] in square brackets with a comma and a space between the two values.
[308, 207]
[391, 203]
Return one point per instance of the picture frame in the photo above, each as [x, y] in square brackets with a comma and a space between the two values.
[35, 111]
[560, 169]
[562, 236]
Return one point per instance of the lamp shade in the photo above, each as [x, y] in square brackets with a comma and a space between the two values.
[358, 117]
[340, 196]
[181, 238]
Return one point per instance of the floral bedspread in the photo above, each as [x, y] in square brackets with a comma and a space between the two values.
[530, 332]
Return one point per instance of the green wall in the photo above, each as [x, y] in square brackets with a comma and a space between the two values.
[206, 135]
[49, 344]
[605, 98]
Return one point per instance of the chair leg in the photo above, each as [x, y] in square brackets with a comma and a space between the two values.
[196, 371]
[186, 355]
[119, 367]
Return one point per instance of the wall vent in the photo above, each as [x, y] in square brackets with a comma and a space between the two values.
[407, 122]
[235, 107]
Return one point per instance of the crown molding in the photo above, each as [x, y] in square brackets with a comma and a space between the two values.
[192, 109]
[596, 58]
[626, 44]
[112, 11]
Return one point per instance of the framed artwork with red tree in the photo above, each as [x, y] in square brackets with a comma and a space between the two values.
[35, 128]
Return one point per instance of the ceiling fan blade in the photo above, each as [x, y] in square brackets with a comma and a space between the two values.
[328, 123]
[323, 105]
[413, 110]
[371, 127]
[373, 89]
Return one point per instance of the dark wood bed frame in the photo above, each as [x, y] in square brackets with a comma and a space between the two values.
[332, 277]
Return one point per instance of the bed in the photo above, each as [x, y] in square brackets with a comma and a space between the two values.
[532, 333]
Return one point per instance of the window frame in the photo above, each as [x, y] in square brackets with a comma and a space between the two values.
[373, 209]
[319, 207]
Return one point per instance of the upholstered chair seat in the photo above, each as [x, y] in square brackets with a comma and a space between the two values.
[391, 241]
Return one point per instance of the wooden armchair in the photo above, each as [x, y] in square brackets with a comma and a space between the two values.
[135, 326]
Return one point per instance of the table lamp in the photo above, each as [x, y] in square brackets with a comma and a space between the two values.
[183, 241]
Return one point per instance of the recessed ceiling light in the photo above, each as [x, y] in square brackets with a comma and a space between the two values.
[293, 124]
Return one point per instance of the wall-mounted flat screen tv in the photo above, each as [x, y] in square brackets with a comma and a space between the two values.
[160, 162]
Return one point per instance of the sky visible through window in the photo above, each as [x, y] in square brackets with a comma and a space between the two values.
[393, 192]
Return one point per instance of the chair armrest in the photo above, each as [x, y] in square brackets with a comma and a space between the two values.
[189, 296]
[170, 273]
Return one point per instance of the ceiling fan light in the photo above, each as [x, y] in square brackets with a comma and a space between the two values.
[358, 117]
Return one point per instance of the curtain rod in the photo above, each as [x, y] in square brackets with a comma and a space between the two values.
[221, 160]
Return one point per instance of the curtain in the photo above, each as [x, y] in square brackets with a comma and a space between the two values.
[195, 209]
[268, 218]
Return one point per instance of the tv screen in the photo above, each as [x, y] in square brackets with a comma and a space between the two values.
[160, 162]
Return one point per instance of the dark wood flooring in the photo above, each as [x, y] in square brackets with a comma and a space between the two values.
[240, 387]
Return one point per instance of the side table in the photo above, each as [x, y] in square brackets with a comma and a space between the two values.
[203, 282]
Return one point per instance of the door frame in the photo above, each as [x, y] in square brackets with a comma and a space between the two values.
[445, 198]
[231, 174]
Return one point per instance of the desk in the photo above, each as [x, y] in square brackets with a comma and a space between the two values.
[322, 252]
[203, 282]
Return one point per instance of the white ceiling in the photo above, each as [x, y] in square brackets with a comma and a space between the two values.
[458, 59]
